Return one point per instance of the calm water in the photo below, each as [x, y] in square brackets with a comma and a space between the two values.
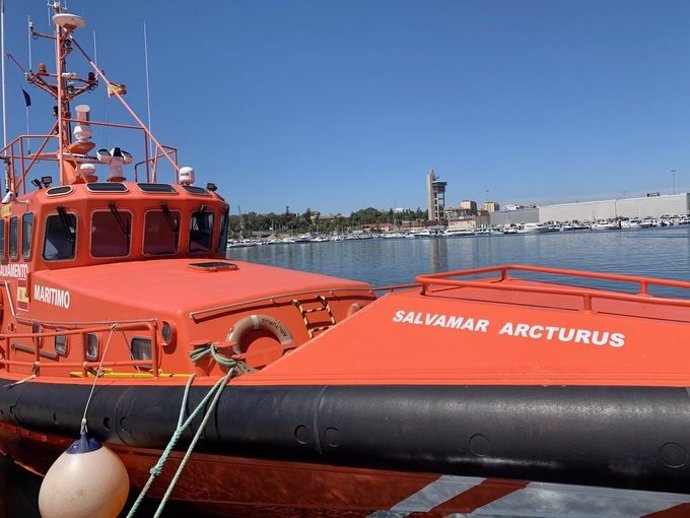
[657, 252]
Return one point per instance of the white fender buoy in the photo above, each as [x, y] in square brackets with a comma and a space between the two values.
[87, 481]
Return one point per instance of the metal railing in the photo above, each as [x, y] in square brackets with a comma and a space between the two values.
[53, 359]
[450, 280]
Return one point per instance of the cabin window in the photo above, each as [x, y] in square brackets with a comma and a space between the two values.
[161, 232]
[61, 344]
[27, 234]
[223, 234]
[201, 231]
[3, 248]
[91, 347]
[141, 348]
[35, 330]
[14, 238]
[60, 237]
[110, 233]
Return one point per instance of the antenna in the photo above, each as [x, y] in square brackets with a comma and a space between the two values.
[95, 50]
[30, 29]
[148, 91]
[2, 44]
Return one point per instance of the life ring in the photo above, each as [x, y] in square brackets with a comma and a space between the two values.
[354, 308]
[256, 322]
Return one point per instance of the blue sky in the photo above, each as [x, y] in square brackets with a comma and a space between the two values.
[337, 106]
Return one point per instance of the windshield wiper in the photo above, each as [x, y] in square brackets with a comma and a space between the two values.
[69, 233]
[169, 218]
[118, 217]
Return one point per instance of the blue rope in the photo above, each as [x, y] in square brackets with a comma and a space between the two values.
[212, 349]
[214, 394]
[218, 389]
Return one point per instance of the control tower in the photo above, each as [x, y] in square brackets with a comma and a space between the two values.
[436, 196]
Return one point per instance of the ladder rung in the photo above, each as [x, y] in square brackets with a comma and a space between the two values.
[314, 310]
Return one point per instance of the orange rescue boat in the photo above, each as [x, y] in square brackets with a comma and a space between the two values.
[507, 390]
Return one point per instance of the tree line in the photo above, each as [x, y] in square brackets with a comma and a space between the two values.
[251, 223]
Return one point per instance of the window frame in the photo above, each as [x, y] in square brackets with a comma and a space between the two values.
[27, 245]
[129, 238]
[144, 232]
[14, 239]
[3, 240]
[87, 347]
[205, 213]
[223, 230]
[45, 237]
[63, 349]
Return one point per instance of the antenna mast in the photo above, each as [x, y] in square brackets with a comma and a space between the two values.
[148, 91]
[29, 31]
[2, 44]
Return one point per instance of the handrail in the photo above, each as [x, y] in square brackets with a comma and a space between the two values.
[37, 350]
[153, 160]
[210, 312]
[587, 294]
[85, 365]
[18, 172]
[18, 179]
[396, 287]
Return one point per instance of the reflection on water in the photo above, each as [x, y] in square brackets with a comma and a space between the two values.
[661, 252]
[439, 255]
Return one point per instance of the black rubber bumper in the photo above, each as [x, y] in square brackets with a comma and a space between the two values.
[624, 437]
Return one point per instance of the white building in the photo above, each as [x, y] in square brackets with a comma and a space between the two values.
[643, 207]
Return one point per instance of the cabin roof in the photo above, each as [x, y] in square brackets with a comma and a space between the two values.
[183, 286]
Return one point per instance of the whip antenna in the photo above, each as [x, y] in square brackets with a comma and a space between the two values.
[148, 91]
[95, 50]
[30, 30]
[2, 44]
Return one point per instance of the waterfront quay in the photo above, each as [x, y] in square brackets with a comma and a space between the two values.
[608, 224]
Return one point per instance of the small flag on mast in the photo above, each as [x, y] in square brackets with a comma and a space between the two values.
[114, 88]
[27, 98]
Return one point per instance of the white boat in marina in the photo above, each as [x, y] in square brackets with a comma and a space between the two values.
[605, 224]
[574, 225]
[458, 233]
[242, 243]
[526, 228]
[630, 224]
[649, 223]
[394, 235]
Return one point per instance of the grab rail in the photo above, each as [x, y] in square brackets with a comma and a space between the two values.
[203, 314]
[38, 351]
[449, 279]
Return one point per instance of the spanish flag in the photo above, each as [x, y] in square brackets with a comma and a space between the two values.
[115, 88]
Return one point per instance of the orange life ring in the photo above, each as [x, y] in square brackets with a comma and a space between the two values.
[354, 308]
[255, 322]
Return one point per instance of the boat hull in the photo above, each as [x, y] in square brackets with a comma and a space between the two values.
[621, 437]
[222, 485]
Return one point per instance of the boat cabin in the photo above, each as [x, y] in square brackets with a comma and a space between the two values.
[102, 222]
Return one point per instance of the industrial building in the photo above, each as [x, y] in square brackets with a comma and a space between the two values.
[652, 206]
[643, 207]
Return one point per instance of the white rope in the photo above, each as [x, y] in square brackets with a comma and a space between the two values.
[84, 429]
[28, 378]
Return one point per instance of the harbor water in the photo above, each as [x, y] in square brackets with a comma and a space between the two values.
[657, 252]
